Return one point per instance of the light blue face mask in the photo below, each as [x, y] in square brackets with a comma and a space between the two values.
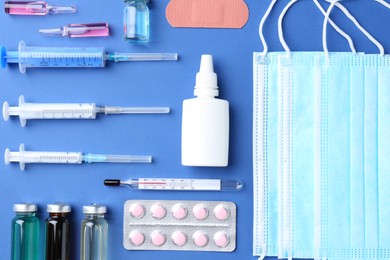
[321, 134]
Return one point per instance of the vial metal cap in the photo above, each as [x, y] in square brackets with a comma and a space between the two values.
[136, 1]
[25, 207]
[94, 209]
[58, 207]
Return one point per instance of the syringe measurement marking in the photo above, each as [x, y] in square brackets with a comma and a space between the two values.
[58, 158]
[58, 59]
[73, 113]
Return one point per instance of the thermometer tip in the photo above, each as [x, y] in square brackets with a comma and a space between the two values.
[110, 182]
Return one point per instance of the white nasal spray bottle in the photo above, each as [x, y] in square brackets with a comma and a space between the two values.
[205, 123]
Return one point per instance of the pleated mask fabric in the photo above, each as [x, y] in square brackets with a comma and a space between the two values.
[321, 136]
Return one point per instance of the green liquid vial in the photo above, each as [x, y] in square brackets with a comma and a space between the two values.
[136, 21]
[25, 232]
[94, 233]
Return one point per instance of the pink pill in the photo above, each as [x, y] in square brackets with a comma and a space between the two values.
[179, 238]
[158, 211]
[137, 210]
[221, 212]
[179, 211]
[221, 239]
[158, 238]
[137, 238]
[200, 211]
[200, 238]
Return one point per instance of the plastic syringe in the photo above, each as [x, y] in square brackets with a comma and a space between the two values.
[27, 111]
[71, 57]
[177, 184]
[23, 157]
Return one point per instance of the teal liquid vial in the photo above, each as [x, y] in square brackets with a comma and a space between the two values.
[94, 233]
[25, 232]
[136, 21]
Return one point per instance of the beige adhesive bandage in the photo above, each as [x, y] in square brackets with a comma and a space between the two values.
[207, 13]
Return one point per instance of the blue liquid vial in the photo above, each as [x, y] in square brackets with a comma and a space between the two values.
[94, 233]
[25, 232]
[136, 21]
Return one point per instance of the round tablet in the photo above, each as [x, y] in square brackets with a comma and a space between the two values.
[137, 210]
[200, 211]
[221, 239]
[158, 238]
[137, 238]
[221, 212]
[179, 238]
[200, 238]
[158, 211]
[179, 211]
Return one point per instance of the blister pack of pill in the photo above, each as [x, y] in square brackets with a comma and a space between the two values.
[179, 225]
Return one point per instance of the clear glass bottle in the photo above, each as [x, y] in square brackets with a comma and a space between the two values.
[57, 227]
[136, 21]
[25, 232]
[94, 233]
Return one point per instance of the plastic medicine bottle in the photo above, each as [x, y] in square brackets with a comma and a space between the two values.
[94, 233]
[205, 122]
[25, 232]
[57, 228]
[136, 21]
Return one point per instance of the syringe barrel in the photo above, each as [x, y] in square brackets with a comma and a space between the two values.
[57, 111]
[27, 111]
[23, 157]
[45, 157]
[59, 57]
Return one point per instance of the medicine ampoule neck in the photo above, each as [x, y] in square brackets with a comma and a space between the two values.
[206, 79]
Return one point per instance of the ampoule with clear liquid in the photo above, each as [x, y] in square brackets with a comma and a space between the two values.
[136, 21]
[94, 233]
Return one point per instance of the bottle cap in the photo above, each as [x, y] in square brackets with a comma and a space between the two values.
[25, 207]
[206, 79]
[94, 209]
[58, 207]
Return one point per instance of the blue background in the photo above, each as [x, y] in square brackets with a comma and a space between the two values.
[148, 84]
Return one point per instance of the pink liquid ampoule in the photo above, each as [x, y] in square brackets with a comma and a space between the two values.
[35, 8]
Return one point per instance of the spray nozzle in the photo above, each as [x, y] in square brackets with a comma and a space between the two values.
[206, 79]
[206, 64]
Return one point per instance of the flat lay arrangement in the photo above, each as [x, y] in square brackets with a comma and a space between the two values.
[241, 129]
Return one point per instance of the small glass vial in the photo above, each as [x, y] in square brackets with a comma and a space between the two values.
[136, 21]
[57, 228]
[25, 232]
[94, 233]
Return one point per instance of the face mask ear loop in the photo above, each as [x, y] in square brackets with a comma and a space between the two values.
[346, 36]
[262, 25]
[383, 3]
[324, 27]
[361, 28]
[280, 28]
[263, 252]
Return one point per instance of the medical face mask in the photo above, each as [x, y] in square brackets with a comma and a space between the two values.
[321, 134]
